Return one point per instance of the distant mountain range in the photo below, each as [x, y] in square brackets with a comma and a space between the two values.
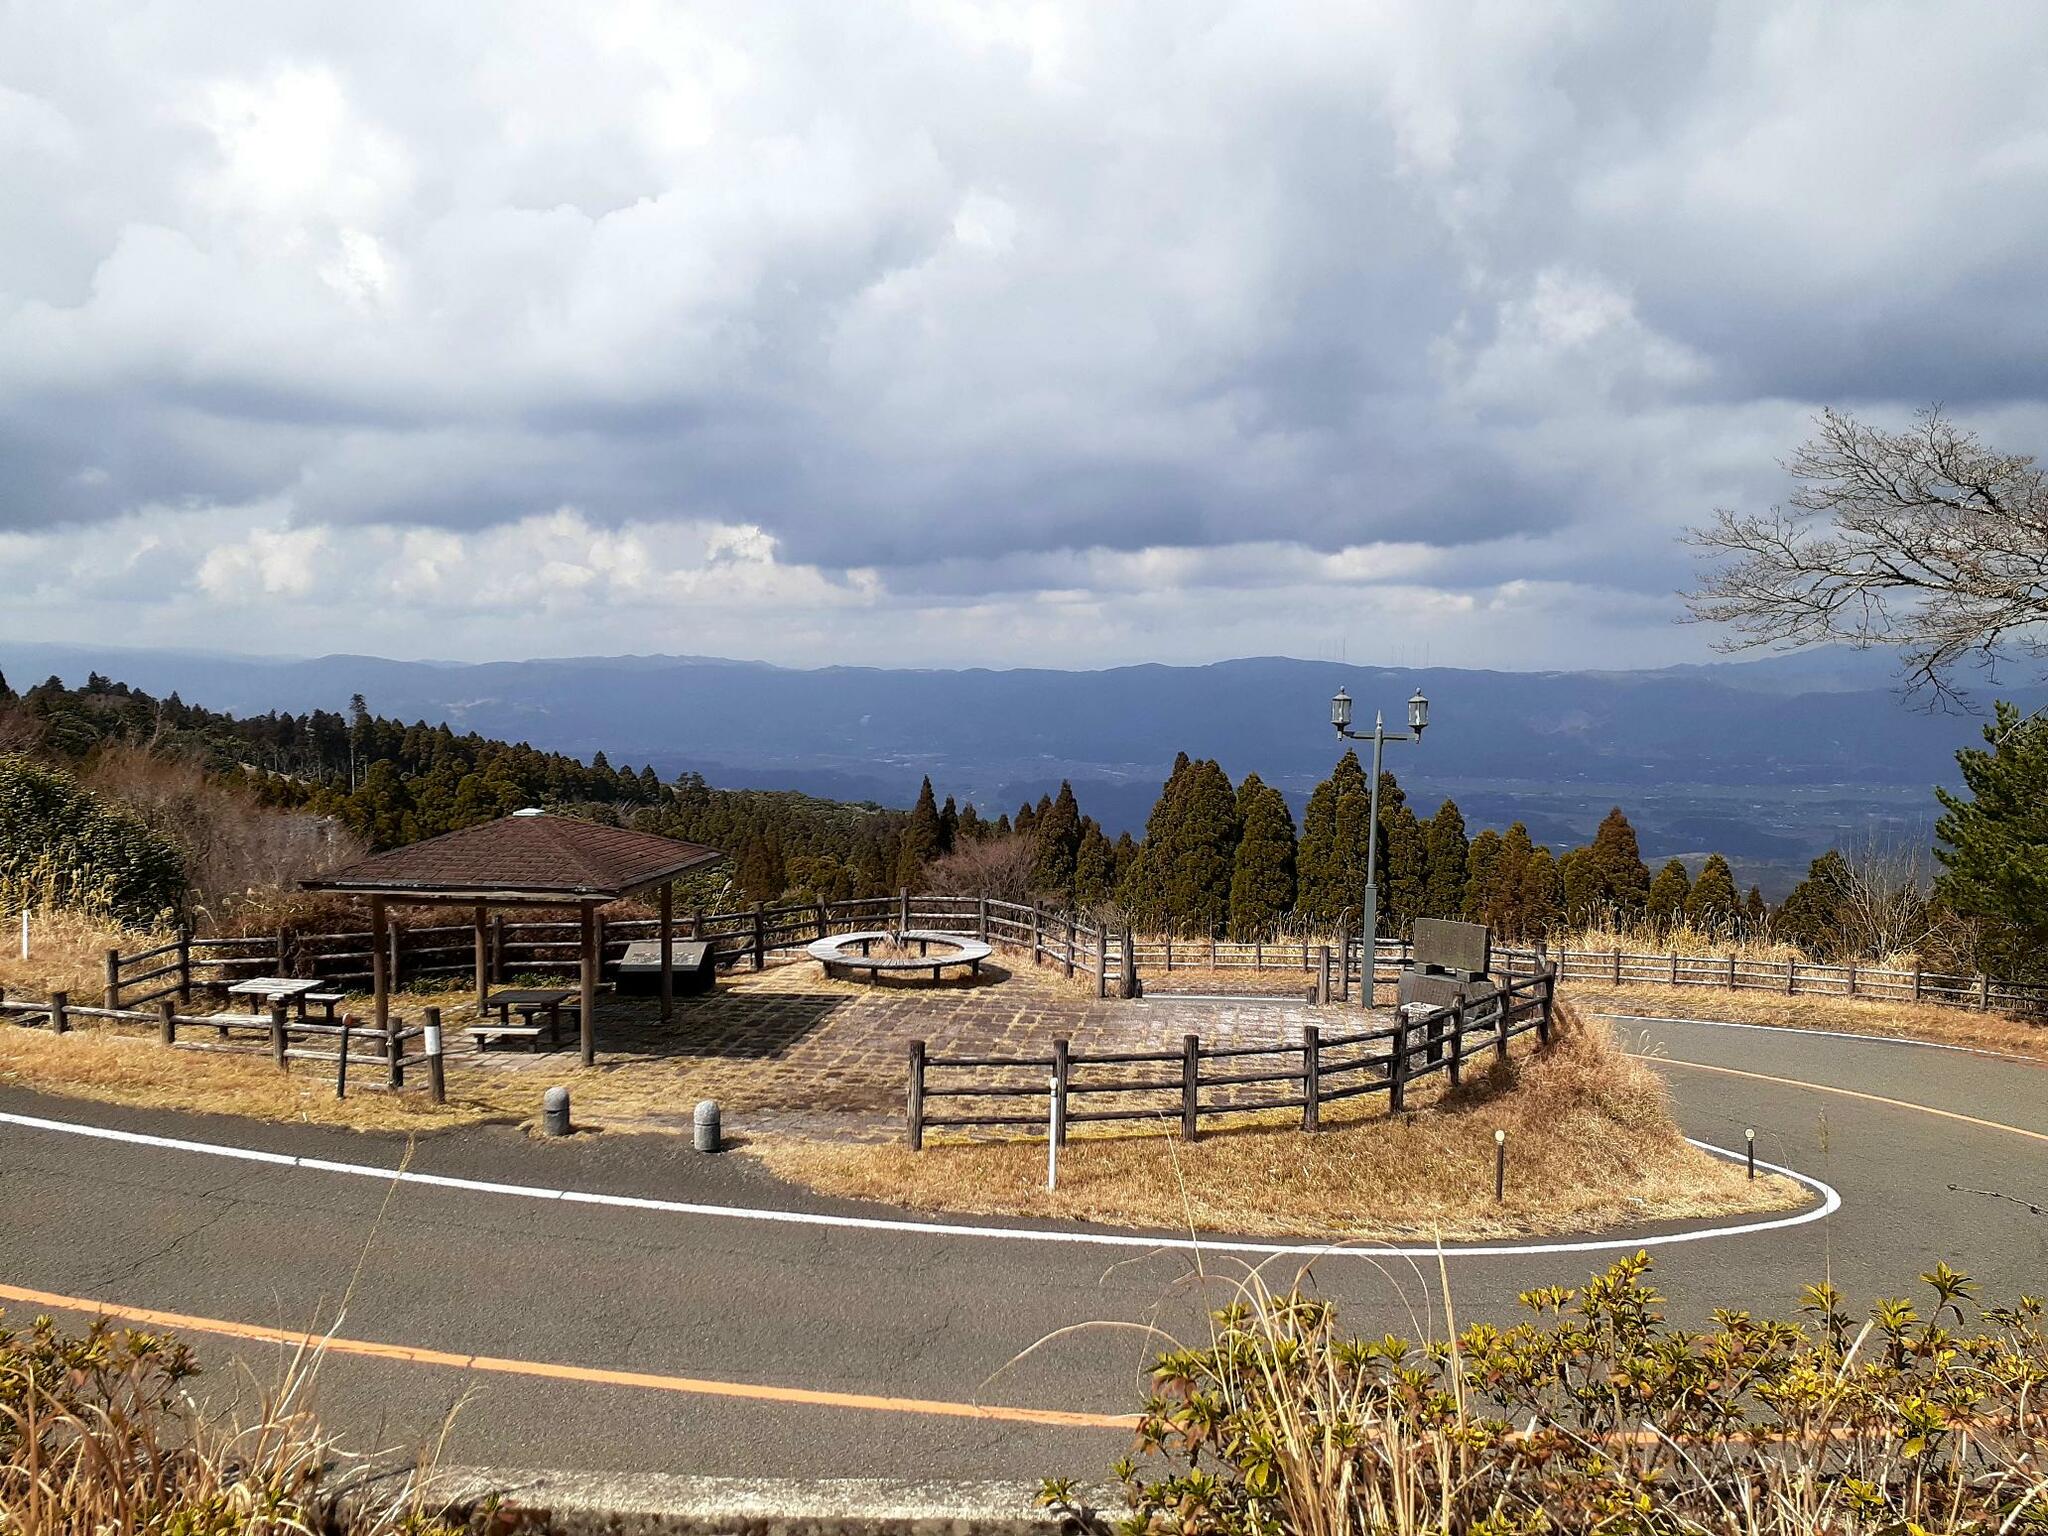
[1770, 761]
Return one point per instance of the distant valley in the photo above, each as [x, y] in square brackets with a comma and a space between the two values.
[1769, 761]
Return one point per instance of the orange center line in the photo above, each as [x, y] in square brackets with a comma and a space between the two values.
[701, 1386]
[1847, 1093]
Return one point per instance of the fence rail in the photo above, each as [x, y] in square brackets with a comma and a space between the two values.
[344, 1044]
[1321, 1069]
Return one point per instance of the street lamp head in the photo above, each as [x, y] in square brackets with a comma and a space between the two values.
[1418, 713]
[1340, 710]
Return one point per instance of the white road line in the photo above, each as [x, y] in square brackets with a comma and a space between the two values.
[1827, 1034]
[1831, 1202]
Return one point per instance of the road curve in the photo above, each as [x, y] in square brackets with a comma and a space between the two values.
[616, 1337]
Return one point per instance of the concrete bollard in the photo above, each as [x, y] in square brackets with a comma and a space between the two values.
[554, 1111]
[707, 1126]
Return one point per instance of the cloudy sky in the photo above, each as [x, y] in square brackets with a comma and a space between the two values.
[923, 333]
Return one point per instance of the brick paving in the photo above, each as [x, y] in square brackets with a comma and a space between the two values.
[787, 1050]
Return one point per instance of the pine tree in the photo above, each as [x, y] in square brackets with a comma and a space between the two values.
[1665, 905]
[1094, 866]
[920, 841]
[1624, 879]
[1714, 904]
[1504, 913]
[761, 874]
[1756, 913]
[1003, 828]
[1584, 896]
[1027, 819]
[1813, 915]
[1994, 840]
[1142, 886]
[1325, 860]
[971, 828]
[1058, 834]
[949, 825]
[1542, 896]
[1407, 868]
[1203, 852]
[1480, 862]
[1262, 873]
[1447, 855]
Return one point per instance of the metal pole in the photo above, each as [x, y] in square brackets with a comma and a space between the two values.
[1369, 913]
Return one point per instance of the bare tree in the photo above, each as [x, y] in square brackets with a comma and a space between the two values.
[999, 866]
[1924, 539]
[1884, 909]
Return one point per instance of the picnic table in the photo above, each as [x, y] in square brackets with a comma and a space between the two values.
[290, 990]
[528, 1003]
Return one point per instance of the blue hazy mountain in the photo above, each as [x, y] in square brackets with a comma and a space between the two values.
[1770, 760]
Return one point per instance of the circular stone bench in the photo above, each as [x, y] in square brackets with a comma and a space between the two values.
[844, 953]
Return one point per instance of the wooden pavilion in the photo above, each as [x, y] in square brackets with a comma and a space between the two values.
[528, 859]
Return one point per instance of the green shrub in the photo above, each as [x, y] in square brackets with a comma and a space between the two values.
[62, 848]
[1597, 1416]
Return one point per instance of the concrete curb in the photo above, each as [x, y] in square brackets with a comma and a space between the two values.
[565, 1503]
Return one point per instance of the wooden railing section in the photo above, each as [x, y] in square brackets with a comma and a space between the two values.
[1180, 1087]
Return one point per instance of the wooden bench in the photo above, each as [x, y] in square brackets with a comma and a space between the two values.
[326, 1001]
[484, 1034]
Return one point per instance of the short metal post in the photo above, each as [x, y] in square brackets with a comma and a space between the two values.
[437, 1073]
[1500, 1166]
[60, 1017]
[1312, 1074]
[1060, 1049]
[1749, 1141]
[167, 1022]
[1190, 1084]
[1397, 1066]
[915, 1097]
[277, 1040]
[113, 990]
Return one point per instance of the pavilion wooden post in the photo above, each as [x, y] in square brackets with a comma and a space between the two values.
[483, 958]
[380, 964]
[588, 1013]
[668, 951]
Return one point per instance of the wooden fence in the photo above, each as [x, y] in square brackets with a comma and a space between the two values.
[747, 938]
[344, 1046]
[1166, 1086]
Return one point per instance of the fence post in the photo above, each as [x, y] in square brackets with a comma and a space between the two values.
[760, 938]
[1323, 975]
[597, 939]
[915, 1112]
[1500, 1025]
[1130, 986]
[902, 908]
[1916, 981]
[1037, 938]
[1258, 953]
[1101, 960]
[167, 1021]
[981, 917]
[437, 1072]
[113, 978]
[1457, 1039]
[1731, 973]
[1545, 1018]
[60, 1017]
[184, 968]
[1312, 1074]
[394, 1050]
[824, 921]
[1617, 967]
[1190, 1084]
[1674, 968]
[1059, 1090]
[1791, 977]
[1852, 978]
[696, 922]
[1343, 957]
[1070, 947]
[1984, 993]
[1169, 951]
[277, 954]
[497, 967]
[1212, 951]
[348, 1024]
[1397, 1065]
[277, 1042]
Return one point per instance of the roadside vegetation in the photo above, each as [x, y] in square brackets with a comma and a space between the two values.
[99, 1432]
[1591, 1144]
[1594, 1414]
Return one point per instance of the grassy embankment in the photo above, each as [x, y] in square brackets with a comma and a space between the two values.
[1591, 1144]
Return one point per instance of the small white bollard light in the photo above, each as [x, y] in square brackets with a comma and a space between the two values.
[1749, 1139]
[1500, 1166]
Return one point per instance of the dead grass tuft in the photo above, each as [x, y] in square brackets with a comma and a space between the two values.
[1591, 1143]
[1870, 1016]
[67, 951]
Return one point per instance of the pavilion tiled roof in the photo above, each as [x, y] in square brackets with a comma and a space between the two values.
[530, 855]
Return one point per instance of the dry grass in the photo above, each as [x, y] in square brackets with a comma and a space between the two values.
[111, 1067]
[1870, 1016]
[67, 951]
[1591, 1144]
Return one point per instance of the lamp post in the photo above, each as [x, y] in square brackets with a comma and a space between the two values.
[1369, 915]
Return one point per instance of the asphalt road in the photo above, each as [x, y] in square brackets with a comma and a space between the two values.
[749, 1309]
